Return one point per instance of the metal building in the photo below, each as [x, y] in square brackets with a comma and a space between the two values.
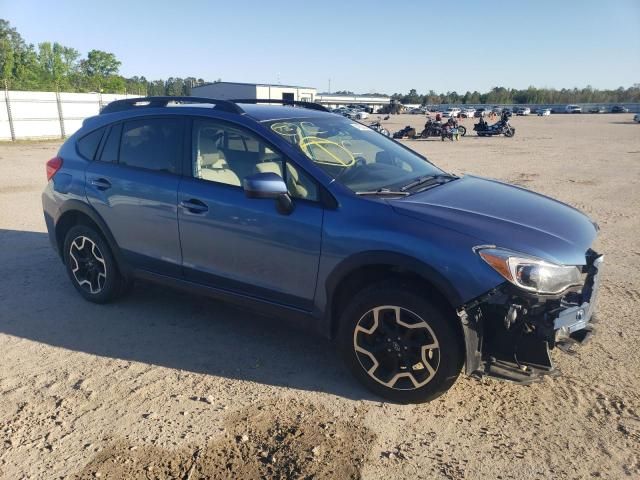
[233, 90]
[372, 102]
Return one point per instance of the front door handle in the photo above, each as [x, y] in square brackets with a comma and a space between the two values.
[101, 183]
[194, 205]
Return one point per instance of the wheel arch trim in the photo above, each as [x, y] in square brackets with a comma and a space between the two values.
[391, 259]
[72, 206]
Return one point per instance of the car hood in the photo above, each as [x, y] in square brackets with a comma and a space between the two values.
[504, 215]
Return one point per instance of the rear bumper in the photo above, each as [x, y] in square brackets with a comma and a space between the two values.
[48, 209]
[509, 334]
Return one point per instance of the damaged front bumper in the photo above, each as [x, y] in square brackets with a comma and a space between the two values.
[509, 333]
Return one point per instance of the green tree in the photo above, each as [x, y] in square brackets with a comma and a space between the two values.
[156, 88]
[57, 65]
[113, 84]
[100, 64]
[412, 97]
[99, 67]
[7, 59]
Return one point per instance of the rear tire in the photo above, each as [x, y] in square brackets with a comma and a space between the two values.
[399, 344]
[462, 130]
[91, 265]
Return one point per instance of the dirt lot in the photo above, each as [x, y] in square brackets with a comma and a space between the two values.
[168, 385]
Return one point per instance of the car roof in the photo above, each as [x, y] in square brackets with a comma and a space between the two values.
[263, 113]
[258, 112]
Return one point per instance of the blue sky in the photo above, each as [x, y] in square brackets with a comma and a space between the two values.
[361, 45]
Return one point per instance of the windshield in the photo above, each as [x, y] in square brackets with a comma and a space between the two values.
[353, 154]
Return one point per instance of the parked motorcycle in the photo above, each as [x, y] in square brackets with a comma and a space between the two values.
[438, 129]
[406, 132]
[451, 130]
[502, 127]
[377, 126]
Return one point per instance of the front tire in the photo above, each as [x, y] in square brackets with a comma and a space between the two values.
[462, 130]
[400, 344]
[91, 265]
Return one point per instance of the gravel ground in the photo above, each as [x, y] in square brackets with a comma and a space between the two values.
[168, 385]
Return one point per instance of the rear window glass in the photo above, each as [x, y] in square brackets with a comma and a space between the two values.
[110, 150]
[88, 145]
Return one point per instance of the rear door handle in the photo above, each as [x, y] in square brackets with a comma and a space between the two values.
[194, 205]
[101, 183]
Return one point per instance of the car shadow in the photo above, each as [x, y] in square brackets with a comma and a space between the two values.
[159, 326]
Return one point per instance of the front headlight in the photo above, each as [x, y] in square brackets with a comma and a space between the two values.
[531, 273]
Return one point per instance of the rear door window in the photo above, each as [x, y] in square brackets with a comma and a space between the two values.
[152, 144]
[88, 145]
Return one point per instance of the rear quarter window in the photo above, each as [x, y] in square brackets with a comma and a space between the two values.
[111, 145]
[88, 145]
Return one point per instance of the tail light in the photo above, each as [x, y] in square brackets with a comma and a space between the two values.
[53, 166]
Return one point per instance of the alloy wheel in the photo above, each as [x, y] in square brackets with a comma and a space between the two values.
[88, 265]
[396, 347]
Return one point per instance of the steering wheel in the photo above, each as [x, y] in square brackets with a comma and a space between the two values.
[359, 164]
[322, 143]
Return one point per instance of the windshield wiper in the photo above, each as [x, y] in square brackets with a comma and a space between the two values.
[427, 178]
[384, 191]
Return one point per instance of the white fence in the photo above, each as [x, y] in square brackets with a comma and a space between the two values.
[32, 115]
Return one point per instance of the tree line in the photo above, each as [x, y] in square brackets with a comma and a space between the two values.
[531, 95]
[52, 66]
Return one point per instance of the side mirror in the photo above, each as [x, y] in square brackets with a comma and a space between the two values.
[264, 185]
[268, 185]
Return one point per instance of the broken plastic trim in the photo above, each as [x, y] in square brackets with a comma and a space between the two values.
[509, 333]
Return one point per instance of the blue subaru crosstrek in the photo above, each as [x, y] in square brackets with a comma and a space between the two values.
[319, 220]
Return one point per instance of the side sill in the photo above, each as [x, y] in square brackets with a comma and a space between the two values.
[292, 316]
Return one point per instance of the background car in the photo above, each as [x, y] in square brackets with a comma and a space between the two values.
[481, 112]
[636, 118]
[349, 113]
[523, 111]
[619, 109]
[573, 109]
[544, 112]
[362, 115]
[468, 112]
[451, 112]
[597, 109]
[497, 110]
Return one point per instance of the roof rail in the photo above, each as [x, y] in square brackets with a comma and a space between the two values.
[155, 102]
[309, 105]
